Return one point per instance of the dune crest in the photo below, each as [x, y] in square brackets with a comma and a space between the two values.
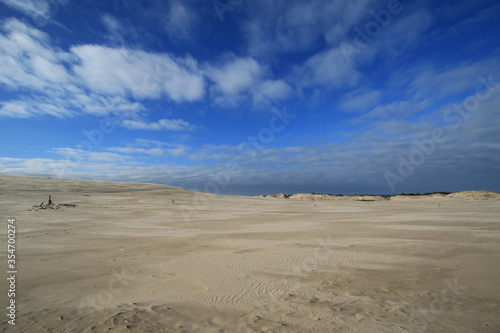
[330, 197]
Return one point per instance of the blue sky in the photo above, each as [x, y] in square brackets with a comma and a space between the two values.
[254, 97]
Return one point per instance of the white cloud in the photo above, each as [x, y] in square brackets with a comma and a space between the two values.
[180, 21]
[141, 74]
[102, 105]
[402, 35]
[145, 151]
[395, 110]
[360, 101]
[49, 71]
[114, 27]
[101, 80]
[236, 76]
[66, 105]
[160, 125]
[16, 109]
[153, 148]
[271, 91]
[58, 82]
[292, 29]
[79, 155]
[28, 109]
[447, 81]
[31, 8]
[28, 60]
[281, 26]
[244, 79]
[149, 143]
[328, 69]
[107, 166]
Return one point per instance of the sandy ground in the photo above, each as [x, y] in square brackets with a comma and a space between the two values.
[128, 259]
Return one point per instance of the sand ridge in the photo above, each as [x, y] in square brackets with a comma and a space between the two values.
[367, 197]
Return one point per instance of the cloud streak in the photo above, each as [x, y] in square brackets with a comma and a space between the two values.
[160, 125]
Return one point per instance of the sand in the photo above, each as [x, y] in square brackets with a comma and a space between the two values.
[152, 258]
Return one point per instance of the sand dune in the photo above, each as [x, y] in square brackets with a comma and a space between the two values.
[140, 257]
[329, 197]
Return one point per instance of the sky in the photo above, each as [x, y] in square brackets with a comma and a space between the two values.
[254, 97]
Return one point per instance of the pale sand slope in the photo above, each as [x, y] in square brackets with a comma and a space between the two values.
[128, 260]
